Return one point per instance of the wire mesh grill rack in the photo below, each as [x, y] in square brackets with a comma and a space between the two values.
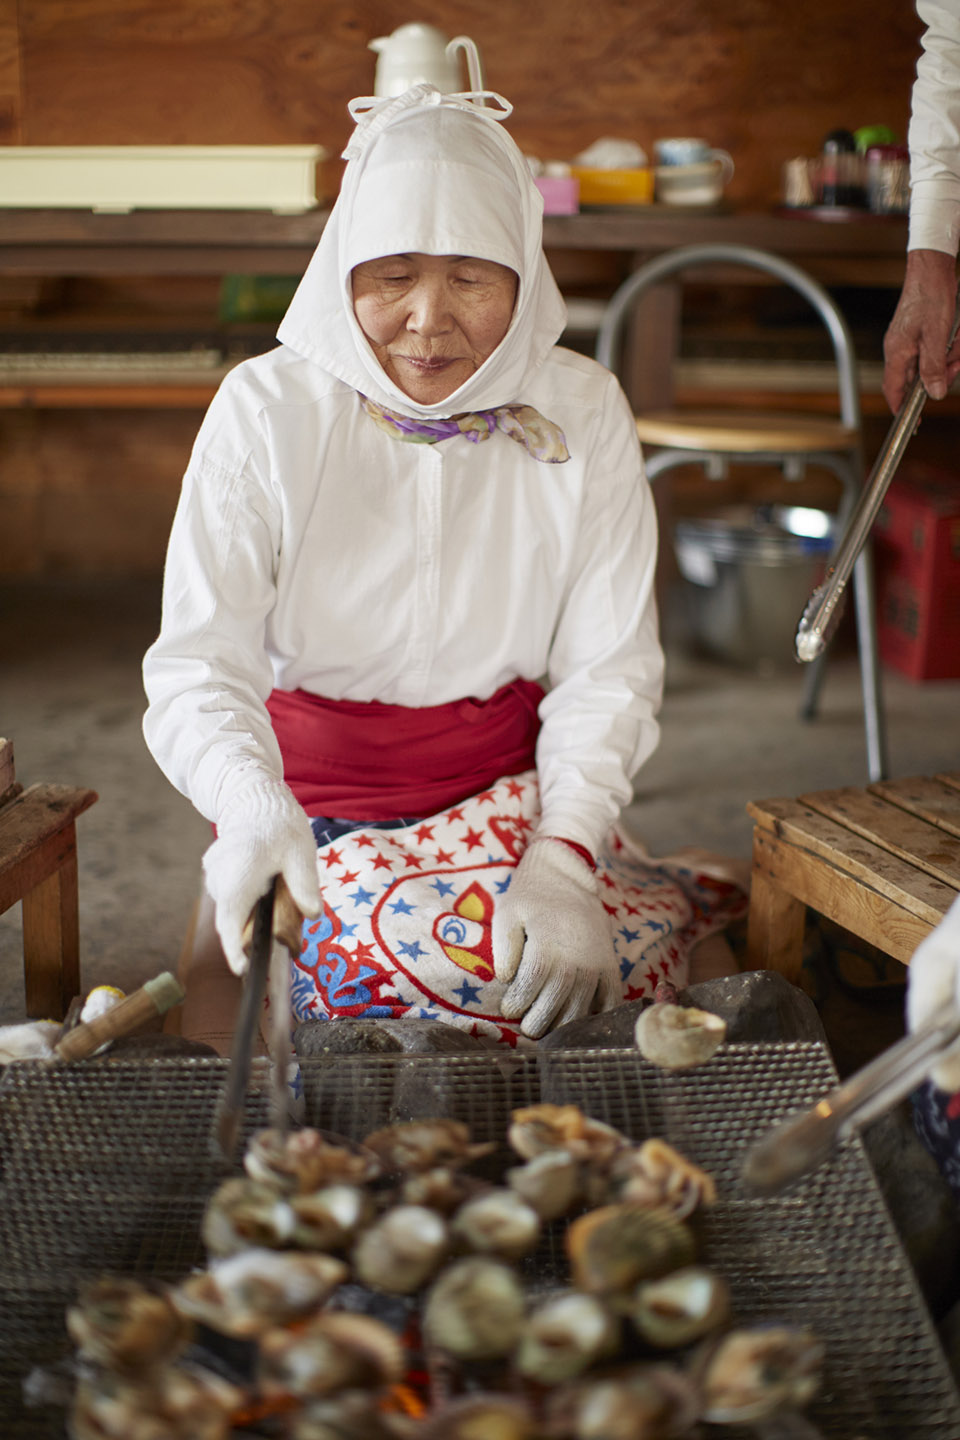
[106, 1167]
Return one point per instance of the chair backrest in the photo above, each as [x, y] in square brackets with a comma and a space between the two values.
[748, 256]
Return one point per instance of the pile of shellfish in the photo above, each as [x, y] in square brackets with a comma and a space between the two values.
[384, 1290]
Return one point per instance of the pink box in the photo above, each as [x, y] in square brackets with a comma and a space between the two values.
[561, 194]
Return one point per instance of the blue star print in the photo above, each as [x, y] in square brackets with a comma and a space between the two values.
[442, 888]
[469, 994]
[411, 948]
[400, 907]
[361, 896]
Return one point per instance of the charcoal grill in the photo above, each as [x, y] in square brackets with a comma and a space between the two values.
[107, 1167]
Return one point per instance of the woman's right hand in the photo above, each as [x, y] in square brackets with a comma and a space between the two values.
[263, 832]
[919, 332]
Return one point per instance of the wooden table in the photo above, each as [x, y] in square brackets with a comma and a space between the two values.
[883, 862]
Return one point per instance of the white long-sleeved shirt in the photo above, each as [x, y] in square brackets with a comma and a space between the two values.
[934, 135]
[311, 549]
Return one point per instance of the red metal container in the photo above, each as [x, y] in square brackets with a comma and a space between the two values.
[917, 549]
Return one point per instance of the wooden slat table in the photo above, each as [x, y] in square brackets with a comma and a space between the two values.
[883, 862]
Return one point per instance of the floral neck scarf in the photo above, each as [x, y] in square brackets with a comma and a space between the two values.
[539, 436]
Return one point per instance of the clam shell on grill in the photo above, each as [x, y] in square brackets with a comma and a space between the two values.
[643, 1402]
[482, 1417]
[656, 1174]
[329, 1219]
[302, 1160]
[256, 1289]
[334, 1351]
[498, 1223]
[550, 1182]
[402, 1250]
[443, 1189]
[612, 1249]
[681, 1307]
[752, 1373]
[538, 1128]
[351, 1415]
[121, 1323]
[246, 1212]
[475, 1309]
[677, 1037]
[176, 1403]
[563, 1336]
[424, 1145]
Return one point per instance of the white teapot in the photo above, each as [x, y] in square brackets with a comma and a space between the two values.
[417, 54]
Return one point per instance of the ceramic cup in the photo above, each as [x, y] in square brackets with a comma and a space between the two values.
[690, 150]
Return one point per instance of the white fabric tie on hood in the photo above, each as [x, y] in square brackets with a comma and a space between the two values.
[437, 175]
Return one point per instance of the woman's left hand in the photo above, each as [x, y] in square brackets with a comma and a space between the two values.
[552, 943]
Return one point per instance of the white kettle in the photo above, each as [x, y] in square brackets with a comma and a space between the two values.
[418, 54]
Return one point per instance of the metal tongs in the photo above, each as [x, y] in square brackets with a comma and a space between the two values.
[824, 608]
[800, 1144]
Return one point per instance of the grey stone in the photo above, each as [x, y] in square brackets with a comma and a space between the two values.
[319, 1038]
[758, 1005]
[158, 1047]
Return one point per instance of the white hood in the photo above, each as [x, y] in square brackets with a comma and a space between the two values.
[435, 174]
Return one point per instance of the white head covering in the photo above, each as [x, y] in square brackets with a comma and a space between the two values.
[435, 174]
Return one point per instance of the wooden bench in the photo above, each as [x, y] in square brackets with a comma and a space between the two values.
[38, 867]
[883, 862]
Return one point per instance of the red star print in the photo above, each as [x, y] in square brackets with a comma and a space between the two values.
[380, 862]
[454, 815]
[665, 968]
[510, 1036]
[474, 1028]
[515, 789]
[415, 860]
[522, 824]
[348, 877]
[444, 857]
[610, 909]
[473, 839]
[362, 839]
[630, 909]
[652, 975]
[635, 992]
[610, 884]
[363, 952]
[425, 833]
[486, 795]
[332, 857]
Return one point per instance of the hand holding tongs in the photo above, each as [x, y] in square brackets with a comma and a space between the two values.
[801, 1144]
[824, 608]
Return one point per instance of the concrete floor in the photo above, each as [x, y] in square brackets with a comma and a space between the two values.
[71, 700]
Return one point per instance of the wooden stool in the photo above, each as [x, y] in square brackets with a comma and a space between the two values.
[38, 866]
[883, 862]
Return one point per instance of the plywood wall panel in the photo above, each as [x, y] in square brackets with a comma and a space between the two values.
[762, 79]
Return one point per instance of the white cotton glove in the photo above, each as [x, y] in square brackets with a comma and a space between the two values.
[262, 832]
[933, 982]
[552, 943]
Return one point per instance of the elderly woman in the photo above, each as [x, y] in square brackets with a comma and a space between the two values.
[393, 528]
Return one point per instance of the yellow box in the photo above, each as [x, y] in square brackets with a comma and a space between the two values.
[615, 187]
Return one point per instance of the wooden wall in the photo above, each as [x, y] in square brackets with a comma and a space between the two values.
[764, 79]
[94, 492]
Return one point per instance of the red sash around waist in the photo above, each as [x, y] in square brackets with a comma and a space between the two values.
[367, 761]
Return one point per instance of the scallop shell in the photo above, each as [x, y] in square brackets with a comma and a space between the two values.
[550, 1182]
[752, 1373]
[244, 1213]
[425, 1145]
[475, 1310]
[498, 1223]
[256, 1289]
[563, 1336]
[615, 1247]
[176, 1401]
[329, 1219]
[302, 1160]
[402, 1251]
[677, 1037]
[681, 1307]
[656, 1174]
[482, 1417]
[655, 1402]
[121, 1323]
[539, 1128]
[334, 1351]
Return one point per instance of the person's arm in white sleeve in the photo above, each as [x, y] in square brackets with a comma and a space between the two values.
[207, 677]
[919, 331]
[933, 984]
[552, 941]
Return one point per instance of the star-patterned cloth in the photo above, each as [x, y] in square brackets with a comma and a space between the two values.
[405, 927]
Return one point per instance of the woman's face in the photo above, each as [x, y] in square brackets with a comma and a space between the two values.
[433, 320]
